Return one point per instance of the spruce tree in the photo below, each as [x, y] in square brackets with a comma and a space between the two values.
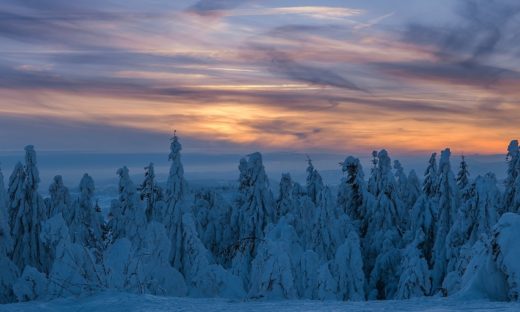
[447, 206]
[512, 182]
[27, 210]
[314, 182]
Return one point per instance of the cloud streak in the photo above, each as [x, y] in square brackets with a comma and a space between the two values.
[252, 74]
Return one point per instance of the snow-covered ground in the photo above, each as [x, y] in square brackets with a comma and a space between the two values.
[127, 302]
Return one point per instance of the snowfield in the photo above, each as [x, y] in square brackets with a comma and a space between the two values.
[125, 302]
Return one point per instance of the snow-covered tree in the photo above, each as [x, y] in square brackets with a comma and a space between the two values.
[284, 203]
[5, 232]
[213, 216]
[255, 201]
[8, 272]
[273, 271]
[463, 174]
[204, 277]
[59, 201]
[304, 214]
[401, 180]
[176, 184]
[144, 267]
[415, 274]
[336, 241]
[27, 210]
[139, 258]
[474, 222]
[512, 182]
[447, 206]
[73, 271]
[384, 231]
[423, 221]
[307, 277]
[413, 189]
[176, 191]
[347, 268]
[324, 233]
[151, 192]
[424, 212]
[31, 285]
[430, 177]
[253, 211]
[494, 271]
[85, 223]
[132, 215]
[314, 182]
[353, 197]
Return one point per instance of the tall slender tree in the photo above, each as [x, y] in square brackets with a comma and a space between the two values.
[447, 206]
[314, 182]
[512, 182]
[27, 211]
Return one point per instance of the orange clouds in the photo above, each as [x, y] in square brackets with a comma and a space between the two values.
[297, 78]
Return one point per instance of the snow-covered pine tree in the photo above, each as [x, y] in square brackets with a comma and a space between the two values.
[59, 201]
[253, 211]
[463, 174]
[151, 192]
[307, 277]
[304, 212]
[423, 214]
[138, 260]
[15, 193]
[176, 191]
[314, 182]
[6, 242]
[255, 201]
[324, 234]
[353, 196]
[408, 188]
[72, 270]
[335, 239]
[371, 182]
[415, 274]
[274, 268]
[430, 177]
[204, 277]
[31, 285]
[494, 271]
[512, 182]
[401, 180]
[413, 190]
[132, 212]
[176, 185]
[474, 222]
[384, 232]
[144, 267]
[27, 210]
[8, 272]
[84, 222]
[447, 206]
[213, 216]
[347, 265]
[284, 203]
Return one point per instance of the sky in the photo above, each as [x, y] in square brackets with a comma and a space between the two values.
[243, 75]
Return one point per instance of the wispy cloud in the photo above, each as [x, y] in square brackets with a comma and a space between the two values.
[214, 7]
[253, 73]
[316, 12]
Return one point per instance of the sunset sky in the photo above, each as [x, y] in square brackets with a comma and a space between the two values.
[236, 75]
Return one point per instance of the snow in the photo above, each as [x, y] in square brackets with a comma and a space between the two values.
[124, 302]
[495, 273]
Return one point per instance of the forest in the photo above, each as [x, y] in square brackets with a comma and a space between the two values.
[388, 235]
